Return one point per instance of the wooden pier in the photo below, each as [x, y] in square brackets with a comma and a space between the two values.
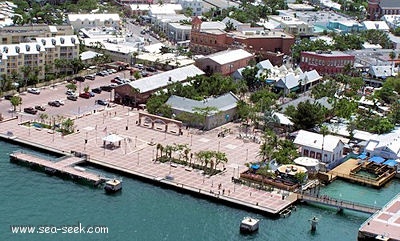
[348, 171]
[339, 204]
[64, 167]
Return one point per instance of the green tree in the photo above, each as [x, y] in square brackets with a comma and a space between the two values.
[15, 101]
[250, 77]
[300, 177]
[71, 86]
[307, 115]
[188, 12]
[345, 108]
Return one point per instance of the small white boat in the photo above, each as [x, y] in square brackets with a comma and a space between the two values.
[249, 225]
[81, 169]
[113, 186]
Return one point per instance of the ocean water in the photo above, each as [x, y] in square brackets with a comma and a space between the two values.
[146, 212]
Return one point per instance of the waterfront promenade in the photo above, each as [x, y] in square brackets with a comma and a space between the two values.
[135, 155]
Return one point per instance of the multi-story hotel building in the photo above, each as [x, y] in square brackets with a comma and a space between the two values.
[43, 51]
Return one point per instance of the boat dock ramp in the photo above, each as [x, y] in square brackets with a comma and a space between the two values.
[66, 167]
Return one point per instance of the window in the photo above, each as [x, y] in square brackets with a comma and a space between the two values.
[306, 152]
[312, 154]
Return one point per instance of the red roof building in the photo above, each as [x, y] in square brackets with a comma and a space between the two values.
[266, 44]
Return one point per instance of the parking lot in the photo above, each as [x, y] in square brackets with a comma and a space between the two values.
[58, 92]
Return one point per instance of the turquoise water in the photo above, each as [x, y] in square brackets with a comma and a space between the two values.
[146, 212]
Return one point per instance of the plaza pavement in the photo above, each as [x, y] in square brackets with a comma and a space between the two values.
[136, 155]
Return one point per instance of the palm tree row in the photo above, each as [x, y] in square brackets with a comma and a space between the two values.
[209, 160]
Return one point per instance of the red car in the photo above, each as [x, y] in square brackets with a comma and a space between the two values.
[85, 95]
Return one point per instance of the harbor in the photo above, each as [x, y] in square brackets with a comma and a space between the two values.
[134, 152]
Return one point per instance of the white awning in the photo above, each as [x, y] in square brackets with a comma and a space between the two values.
[113, 138]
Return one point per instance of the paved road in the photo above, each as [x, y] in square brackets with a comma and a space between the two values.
[70, 108]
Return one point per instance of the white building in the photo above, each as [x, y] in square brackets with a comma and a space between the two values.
[100, 20]
[293, 25]
[327, 149]
[195, 5]
[393, 21]
[385, 145]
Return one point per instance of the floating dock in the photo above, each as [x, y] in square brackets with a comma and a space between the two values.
[384, 224]
[65, 167]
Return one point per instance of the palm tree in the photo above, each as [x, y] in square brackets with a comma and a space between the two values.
[220, 157]
[43, 116]
[158, 147]
[323, 131]
[186, 151]
[68, 126]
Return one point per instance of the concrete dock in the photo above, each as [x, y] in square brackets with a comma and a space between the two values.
[383, 225]
[64, 167]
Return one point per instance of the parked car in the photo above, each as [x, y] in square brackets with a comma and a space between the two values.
[106, 88]
[96, 90]
[91, 94]
[80, 79]
[151, 69]
[144, 73]
[8, 97]
[30, 110]
[54, 103]
[61, 102]
[101, 102]
[35, 91]
[40, 107]
[73, 81]
[113, 85]
[72, 97]
[85, 95]
[90, 76]
[70, 92]
[111, 71]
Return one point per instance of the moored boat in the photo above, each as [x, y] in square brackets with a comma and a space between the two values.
[249, 225]
[113, 186]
